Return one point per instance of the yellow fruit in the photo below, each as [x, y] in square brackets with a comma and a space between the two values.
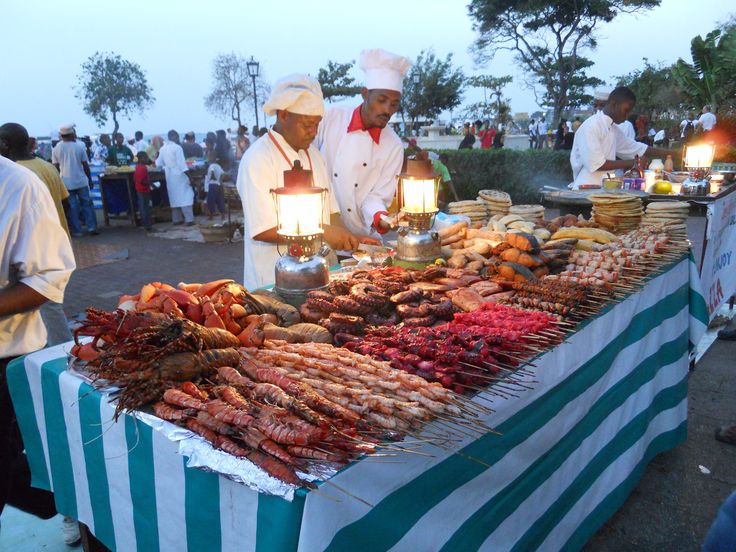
[662, 187]
[440, 262]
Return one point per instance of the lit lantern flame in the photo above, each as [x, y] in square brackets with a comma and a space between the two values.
[418, 187]
[419, 195]
[300, 214]
[699, 157]
[299, 204]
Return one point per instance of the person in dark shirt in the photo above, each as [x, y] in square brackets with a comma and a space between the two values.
[191, 147]
[223, 150]
[119, 154]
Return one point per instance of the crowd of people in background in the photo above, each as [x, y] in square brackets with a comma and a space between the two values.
[218, 153]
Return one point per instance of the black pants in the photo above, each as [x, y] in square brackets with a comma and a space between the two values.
[15, 475]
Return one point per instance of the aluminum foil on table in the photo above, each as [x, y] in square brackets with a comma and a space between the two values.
[200, 454]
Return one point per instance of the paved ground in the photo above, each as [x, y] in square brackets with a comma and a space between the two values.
[671, 509]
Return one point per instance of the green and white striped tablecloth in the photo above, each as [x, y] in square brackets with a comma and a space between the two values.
[571, 451]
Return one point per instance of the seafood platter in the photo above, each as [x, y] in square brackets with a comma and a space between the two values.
[382, 358]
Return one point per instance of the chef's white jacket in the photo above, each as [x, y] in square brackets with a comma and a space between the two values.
[171, 158]
[363, 173]
[599, 140]
[261, 170]
[35, 251]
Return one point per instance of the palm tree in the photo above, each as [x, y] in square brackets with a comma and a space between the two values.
[709, 79]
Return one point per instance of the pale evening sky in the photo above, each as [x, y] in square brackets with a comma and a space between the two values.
[45, 42]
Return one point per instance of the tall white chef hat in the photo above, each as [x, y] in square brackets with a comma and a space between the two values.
[296, 93]
[383, 70]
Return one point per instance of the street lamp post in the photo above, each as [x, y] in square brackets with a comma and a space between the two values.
[253, 68]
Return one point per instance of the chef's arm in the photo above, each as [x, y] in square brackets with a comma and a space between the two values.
[336, 236]
[19, 298]
[613, 165]
[269, 236]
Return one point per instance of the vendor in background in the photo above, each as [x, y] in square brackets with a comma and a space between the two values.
[707, 120]
[140, 143]
[119, 154]
[131, 145]
[242, 143]
[181, 195]
[36, 262]
[600, 97]
[599, 146]
[191, 147]
[297, 103]
[363, 153]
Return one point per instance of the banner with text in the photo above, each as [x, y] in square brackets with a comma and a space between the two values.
[718, 273]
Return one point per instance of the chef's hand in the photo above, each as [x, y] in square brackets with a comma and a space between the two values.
[340, 239]
[369, 240]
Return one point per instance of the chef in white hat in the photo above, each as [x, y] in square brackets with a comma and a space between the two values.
[297, 103]
[364, 155]
[600, 97]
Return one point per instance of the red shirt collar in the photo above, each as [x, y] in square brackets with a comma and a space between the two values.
[356, 123]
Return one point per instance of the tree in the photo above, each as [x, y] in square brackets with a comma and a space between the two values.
[658, 93]
[710, 78]
[492, 87]
[578, 86]
[548, 37]
[439, 87]
[232, 88]
[110, 87]
[336, 82]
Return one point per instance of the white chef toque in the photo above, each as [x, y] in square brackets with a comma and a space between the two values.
[601, 94]
[300, 94]
[383, 70]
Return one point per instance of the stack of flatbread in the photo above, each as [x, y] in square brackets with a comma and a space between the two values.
[532, 213]
[672, 215]
[496, 201]
[472, 208]
[617, 212]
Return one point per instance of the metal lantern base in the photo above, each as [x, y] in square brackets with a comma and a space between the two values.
[418, 246]
[297, 276]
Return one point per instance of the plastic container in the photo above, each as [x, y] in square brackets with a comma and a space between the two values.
[658, 167]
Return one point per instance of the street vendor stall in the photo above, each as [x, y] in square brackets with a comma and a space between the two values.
[119, 185]
[563, 457]
[125, 194]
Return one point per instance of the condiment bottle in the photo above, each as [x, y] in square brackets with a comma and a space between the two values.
[669, 165]
[658, 167]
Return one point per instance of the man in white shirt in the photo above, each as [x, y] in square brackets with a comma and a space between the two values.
[70, 158]
[707, 120]
[140, 144]
[36, 261]
[297, 103]
[181, 196]
[532, 134]
[542, 133]
[363, 153]
[599, 145]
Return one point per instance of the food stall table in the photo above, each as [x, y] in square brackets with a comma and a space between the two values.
[158, 195]
[569, 452]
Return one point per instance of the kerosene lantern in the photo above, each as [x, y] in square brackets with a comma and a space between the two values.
[698, 161]
[418, 188]
[299, 212]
